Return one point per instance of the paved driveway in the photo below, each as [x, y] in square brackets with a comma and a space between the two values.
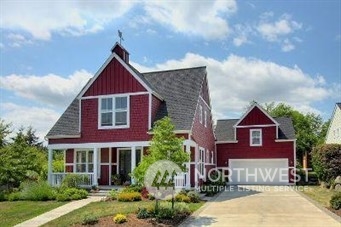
[261, 206]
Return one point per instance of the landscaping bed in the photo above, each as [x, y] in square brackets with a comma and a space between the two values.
[322, 196]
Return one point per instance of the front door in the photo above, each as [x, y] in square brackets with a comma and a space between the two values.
[125, 164]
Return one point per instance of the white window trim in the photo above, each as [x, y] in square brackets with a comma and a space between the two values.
[201, 162]
[212, 160]
[200, 114]
[205, 118]
[260, 137]
[86, 161]
[114, 112]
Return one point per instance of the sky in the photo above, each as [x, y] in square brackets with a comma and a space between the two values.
[267, 51]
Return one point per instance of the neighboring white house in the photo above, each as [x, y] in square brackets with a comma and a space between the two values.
[334, 130]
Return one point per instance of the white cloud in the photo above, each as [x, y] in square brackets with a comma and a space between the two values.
[273, 31]
[188, 17]
[51, 89]
[287, 46]
[235, 81]
[17, 40]
[42, 18]
[41, 119]
[242, 32]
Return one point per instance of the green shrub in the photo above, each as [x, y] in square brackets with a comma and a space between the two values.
[193, 196]
[165, 211]
[3, 196]
[71, 194]
[89, 219]
[132, 188]
[129, 196]
[151, 197]
[216, 178]
[14, 196]
[120, 218]
[326, 161]
[113, 193]
[143, 213]
[182, 209]
[37, 191]
[182, 198]
[74, 181]
[335, 201]
[61, 197]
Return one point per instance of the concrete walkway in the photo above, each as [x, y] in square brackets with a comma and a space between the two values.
[261, 206]
[59, 211]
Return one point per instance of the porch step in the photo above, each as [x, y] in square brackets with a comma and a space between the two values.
[101, 193]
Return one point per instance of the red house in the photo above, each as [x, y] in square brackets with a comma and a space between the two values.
[257, 149]
[106, 129]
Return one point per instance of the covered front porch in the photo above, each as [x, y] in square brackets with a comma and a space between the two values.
[102, 164]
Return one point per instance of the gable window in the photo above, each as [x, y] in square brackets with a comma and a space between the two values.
[205, 118]
[200, 114]
[255, 137]
[114, 112]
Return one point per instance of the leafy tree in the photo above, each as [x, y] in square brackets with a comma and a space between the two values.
[327, 162]
[5, 130]
[323, 133]
[308, 127]
[165, 145]
[27, 136]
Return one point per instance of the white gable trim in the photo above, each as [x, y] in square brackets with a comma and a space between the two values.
[111, 57]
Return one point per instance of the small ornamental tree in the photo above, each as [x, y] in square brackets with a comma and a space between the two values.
[165, 145]
[326, 161]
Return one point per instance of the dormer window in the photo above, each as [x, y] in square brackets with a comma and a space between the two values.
[114, 112]
[256, 137]
[200, 114]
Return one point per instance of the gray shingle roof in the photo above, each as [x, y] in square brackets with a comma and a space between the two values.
[179, 88]
[68, 123]
[225, 132]
[339, 105]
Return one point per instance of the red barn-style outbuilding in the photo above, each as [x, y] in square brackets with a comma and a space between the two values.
[257, 149]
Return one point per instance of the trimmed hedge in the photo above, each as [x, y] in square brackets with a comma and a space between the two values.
[335, 201]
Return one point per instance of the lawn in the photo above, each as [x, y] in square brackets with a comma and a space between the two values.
[321, 195]
[12, 213]
[109, 208]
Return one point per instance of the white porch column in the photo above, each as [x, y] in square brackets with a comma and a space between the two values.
[188, 167]
[50, 160]
[133, 161]
[95, 161]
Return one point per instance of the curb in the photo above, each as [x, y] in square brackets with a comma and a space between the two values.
[319, 206]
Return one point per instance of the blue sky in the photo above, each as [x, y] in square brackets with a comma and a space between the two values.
[281, 51]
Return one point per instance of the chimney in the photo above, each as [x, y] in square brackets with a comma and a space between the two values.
[121, 52]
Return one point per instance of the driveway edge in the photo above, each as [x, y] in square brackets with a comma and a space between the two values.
[318, 205]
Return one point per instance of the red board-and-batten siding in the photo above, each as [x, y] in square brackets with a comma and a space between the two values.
[114, 79]
[270, 149]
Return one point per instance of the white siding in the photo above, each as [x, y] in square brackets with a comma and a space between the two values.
[334, 131]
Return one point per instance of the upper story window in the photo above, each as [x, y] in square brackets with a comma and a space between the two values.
[205, 118]
[256, 137]
[114, 112]
[200, 114]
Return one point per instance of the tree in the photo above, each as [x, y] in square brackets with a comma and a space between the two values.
[165, 145]
[5, 130]
[308, 127]
[23, 158]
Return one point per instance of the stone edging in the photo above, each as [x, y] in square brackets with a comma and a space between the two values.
[318, 205]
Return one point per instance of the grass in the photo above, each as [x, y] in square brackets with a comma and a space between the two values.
[321, 195]
[12, 213]
[102, 209]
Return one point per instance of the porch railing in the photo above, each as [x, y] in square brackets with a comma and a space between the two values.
[87, 178]
[180, 180]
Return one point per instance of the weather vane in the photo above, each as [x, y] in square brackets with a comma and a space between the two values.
[120, 36]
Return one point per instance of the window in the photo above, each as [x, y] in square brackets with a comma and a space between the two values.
[201, 162]
[114, 112]
[84, 161]
[200, 114]
[212, 160]
[256, 137]
[205, 118]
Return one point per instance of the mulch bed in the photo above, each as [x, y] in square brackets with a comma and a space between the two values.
[337, 212]
[135, 222]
